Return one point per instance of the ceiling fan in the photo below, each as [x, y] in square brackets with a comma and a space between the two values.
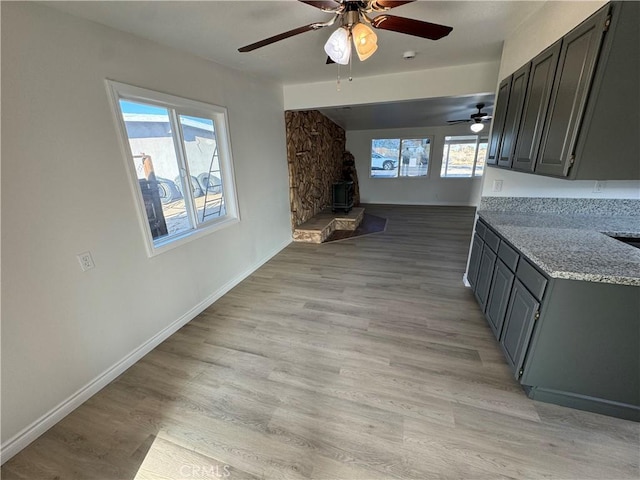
[476, 119]
[355, 21]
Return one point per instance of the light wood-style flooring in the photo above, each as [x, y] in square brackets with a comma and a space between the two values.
[362, 359]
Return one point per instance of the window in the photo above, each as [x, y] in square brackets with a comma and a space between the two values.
[464, 156]
[179, 161]
[395, 157]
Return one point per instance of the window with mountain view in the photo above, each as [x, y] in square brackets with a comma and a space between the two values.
[463, 156]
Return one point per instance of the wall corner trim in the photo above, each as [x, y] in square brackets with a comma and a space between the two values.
[30, 433]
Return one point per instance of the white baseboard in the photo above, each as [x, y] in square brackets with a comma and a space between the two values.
[30, 433]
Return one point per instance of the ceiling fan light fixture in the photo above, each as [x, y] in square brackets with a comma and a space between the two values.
[338, 46]
[477, 127]
[365, 40]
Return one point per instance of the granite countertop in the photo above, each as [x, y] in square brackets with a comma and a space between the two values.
[574, 247]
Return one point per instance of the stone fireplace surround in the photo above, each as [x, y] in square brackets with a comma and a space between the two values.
[315, 147]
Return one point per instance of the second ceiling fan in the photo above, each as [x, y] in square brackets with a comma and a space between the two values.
[355, 22]
[476, 119]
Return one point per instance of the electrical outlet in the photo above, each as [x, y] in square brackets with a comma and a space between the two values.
[86, 261]
[598, 187]
[497, 185]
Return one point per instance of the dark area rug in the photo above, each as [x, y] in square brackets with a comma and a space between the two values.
[370, 224]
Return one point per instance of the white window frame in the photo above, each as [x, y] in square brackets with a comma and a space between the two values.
[181, 106]
[399, 166]
[445, 153]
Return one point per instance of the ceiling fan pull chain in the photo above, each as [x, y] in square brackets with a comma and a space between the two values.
[338, 81]
[350, 67]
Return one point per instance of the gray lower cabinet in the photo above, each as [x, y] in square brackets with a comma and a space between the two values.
[499, 297]
[485, 273]
[474, 260]
[508, 289]
[585, 348]
[518, 325]
[482, 261]
[569, 342]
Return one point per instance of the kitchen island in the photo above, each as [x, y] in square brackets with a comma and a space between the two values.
[563, 297]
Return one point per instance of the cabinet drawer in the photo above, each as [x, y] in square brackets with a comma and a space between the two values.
[531, 278]
[492, 240]
[509, 256]
[481, 228]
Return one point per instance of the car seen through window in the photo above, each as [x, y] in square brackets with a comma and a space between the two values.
[380, 162]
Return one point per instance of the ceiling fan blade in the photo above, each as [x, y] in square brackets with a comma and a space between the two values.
[277, 38]
[454, 122]
[330, 4]
[418, 28]
[380, 5]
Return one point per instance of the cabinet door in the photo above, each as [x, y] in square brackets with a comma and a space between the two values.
[518, 326]
[498, 121]
[499, 297]
[576, 66]
[513, 116]
[485, 273]
[474, 261]
[534, 112]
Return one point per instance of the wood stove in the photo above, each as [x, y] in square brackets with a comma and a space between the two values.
[342, 196]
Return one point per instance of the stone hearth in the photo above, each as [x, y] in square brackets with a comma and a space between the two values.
[319, 228]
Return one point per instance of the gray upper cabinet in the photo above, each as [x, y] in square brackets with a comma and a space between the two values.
[579, 119]
[534, 112]
[512, 116]
[499, 115]
[578, 56]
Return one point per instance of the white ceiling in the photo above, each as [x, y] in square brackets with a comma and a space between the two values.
[216, 29]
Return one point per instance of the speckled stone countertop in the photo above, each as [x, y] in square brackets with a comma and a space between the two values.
[574, 247]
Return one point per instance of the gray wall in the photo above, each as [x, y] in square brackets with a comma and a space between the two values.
[65, 191]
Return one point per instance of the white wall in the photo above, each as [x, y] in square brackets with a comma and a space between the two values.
[65, 191]
[543, 28]
[546, 25]
[431, 190]
[437, 82]
[516, 184]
